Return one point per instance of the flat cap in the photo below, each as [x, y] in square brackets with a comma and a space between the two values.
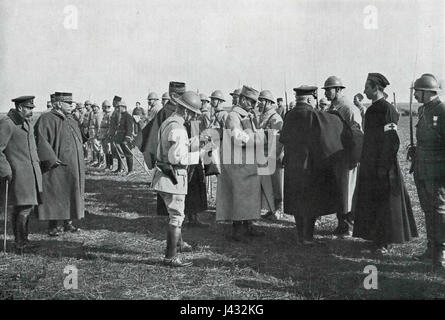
[88, 102]
[279, 99]
[52, 97]
[306, 90]
[117, 98]
[378, 78]
[176, 87]
[235, 92]
[26, 100]
[250, 93]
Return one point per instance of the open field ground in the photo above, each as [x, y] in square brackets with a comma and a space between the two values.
[119, 251]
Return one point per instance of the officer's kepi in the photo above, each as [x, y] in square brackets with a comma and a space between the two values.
[25, 101]
[306, 91]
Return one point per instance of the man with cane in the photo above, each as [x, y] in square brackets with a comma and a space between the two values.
[19, 168]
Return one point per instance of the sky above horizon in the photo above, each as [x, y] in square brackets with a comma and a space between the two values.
[129, 48]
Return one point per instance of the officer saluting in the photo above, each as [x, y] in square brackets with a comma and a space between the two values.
[19, 165]
[429, 166]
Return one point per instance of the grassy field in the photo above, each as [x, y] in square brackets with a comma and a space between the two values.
[118, 255]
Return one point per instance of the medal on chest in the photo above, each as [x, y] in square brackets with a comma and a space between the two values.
[435, 118]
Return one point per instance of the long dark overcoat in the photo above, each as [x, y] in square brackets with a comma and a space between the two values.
[313, 142]
[58, 137]
[383, 211]
[18, 158]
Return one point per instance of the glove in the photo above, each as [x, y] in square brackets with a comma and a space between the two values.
[58, 163]
[7, 178]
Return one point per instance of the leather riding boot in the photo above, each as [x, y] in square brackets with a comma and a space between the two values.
[21, 231]
[171, 259]
[236, 232]
[250, 231]
[439, 255]
[130, 164]
[308, 230]
[109, 161]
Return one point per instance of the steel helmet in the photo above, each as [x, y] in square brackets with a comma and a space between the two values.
[427, 82]
[152, 96]
[106, 103]
[165, 96]
[267, 95]
[333, 82]
[217, 94]
[235, 92]
[189, 100]
[88, 102]
[204, 97]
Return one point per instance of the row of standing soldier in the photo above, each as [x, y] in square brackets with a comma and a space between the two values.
[317, 160]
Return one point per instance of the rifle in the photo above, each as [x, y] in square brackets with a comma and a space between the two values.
[287, 106]
[411, 147]
[394, 99]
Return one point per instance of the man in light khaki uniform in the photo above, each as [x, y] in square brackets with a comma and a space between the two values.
[174, 153]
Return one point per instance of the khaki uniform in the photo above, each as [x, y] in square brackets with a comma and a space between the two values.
[93, 131]
[271, 120]
[104, 127]
[173, 153]
[429, 170]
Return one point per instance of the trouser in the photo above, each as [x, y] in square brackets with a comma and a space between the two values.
[175, 204]
[346, 182]
[432, 201]
[20, 219]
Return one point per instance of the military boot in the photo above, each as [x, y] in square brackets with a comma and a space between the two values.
[183, 246]
[308, 231]
[299, 227]
[21, 233]
[129, 164]
[250, 231]
[171, 258]
[119, 166]
[52, 228]
[236, 232]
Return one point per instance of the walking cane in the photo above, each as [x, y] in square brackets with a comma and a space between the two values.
[6, 216]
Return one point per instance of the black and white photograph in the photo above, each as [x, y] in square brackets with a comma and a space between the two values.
[245, 151]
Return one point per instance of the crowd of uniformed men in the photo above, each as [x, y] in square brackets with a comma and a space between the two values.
[319, 157]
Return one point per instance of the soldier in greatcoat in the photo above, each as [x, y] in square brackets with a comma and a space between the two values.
[239, 185]
[60, 149]
[19, 167]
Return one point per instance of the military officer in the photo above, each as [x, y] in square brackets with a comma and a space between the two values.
[235, 96]
[281, 108]
[219, 114]
[271, 121]
[429, 166]
[153, 106]
[19, 166]
[84, 125]
[93, 132]
[205, 116]
[125, 134]
[165, 98]
[103, 134]
[139, 116]
[333, 87]
[239, 185]
[170, 178]
[114, 122]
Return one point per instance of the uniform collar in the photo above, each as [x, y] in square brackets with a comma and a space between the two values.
[15, 116]
[58, 113]
[432, 103]
[177, 118]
